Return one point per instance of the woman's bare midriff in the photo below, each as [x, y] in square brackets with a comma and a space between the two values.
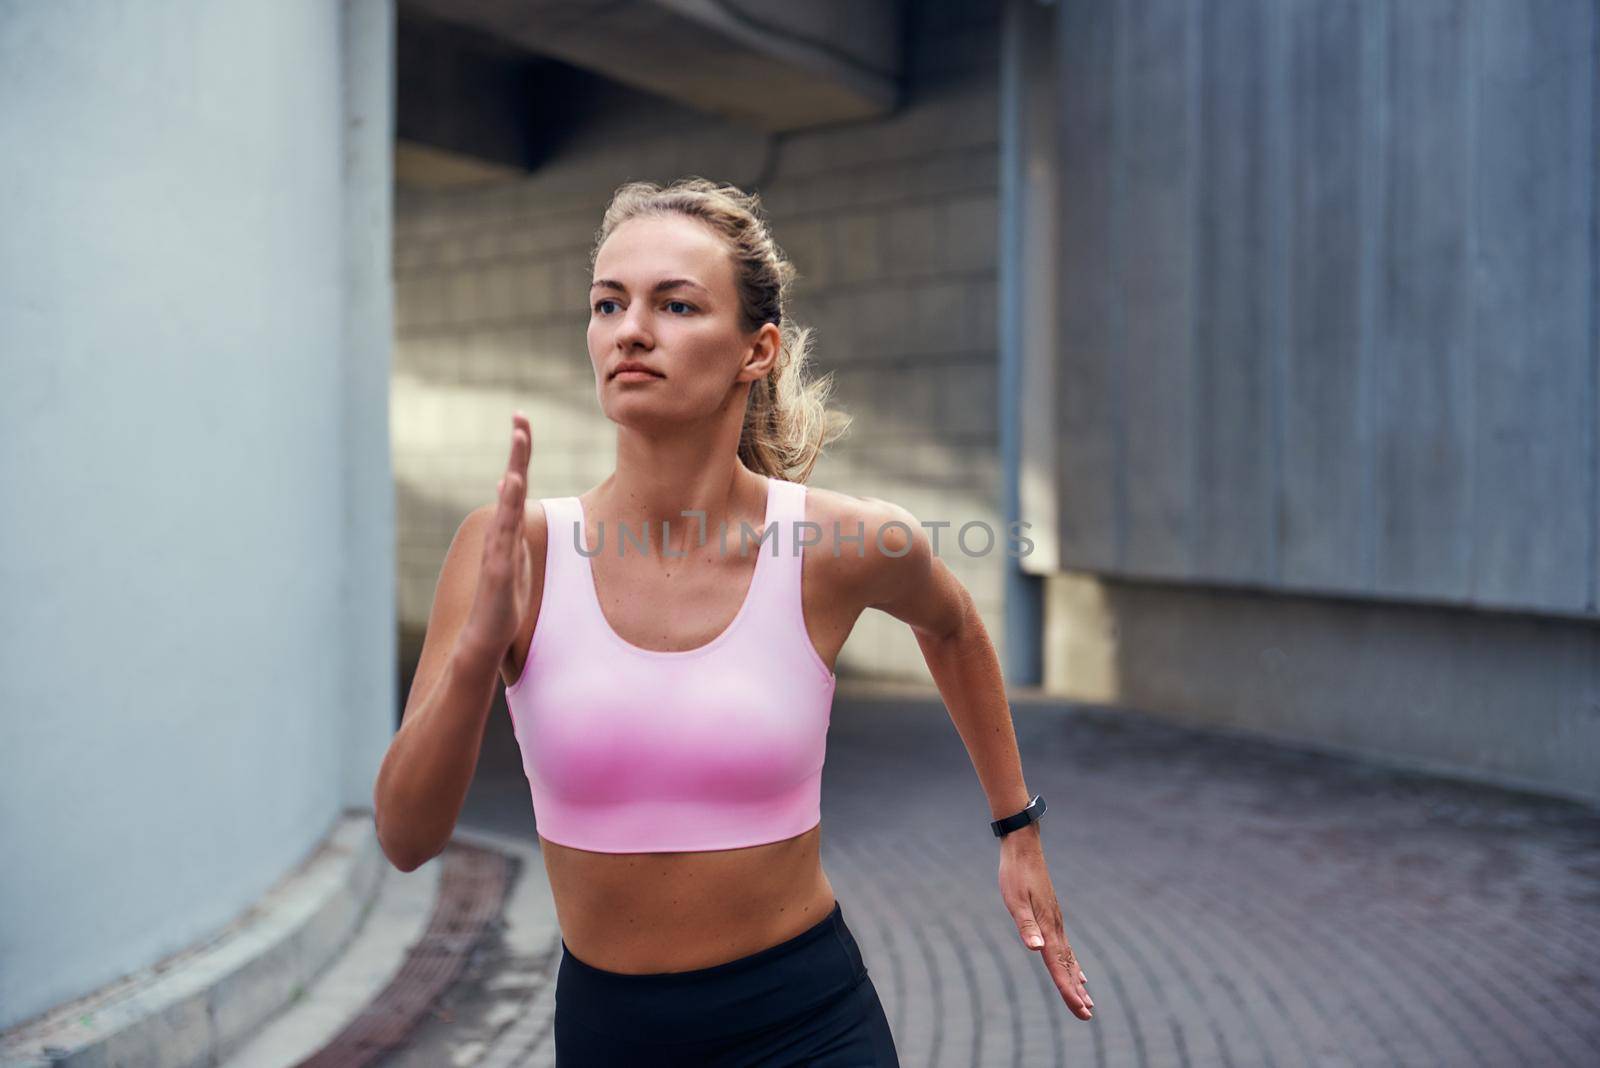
[643, 913]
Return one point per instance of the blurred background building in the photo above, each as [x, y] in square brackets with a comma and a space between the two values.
[1276, 321]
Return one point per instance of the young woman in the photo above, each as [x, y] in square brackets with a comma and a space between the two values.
[668, 674]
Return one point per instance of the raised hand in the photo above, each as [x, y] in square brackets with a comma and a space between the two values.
[505, 592]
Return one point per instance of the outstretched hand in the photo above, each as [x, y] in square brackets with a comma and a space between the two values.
[504, 595]
[1031, 899]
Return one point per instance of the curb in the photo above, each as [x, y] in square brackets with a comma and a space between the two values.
[195, 1008]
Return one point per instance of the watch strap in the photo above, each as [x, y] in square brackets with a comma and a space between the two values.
[1031, 814]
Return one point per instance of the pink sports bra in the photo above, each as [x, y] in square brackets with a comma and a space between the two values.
[631, 750]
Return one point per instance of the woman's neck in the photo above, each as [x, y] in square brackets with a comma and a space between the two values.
[656, 485]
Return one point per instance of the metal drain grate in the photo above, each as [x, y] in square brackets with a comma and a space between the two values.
[472, 892]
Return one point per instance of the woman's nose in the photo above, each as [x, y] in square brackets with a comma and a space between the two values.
[634, 330]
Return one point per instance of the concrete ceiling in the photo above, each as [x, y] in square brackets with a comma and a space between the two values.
[773, 64]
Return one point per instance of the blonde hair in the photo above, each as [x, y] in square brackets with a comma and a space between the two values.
[787, 422]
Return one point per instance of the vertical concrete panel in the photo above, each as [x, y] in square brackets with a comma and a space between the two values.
[1320, 532]
[1032, 312]
[1424, 368]
[1088, 368]
[1532, 287]
[1154, 112]
[1392, 279]
[171, 282]
[1233, 534]
[1374, 128]
[367, 35]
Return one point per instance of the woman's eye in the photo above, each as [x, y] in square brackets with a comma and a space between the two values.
[676, 304]
[600, 304]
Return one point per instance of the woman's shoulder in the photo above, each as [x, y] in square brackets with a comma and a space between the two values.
[475, 526]
[879, 520]
[863, 539]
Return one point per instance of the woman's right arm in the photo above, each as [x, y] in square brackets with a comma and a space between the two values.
[483, 598]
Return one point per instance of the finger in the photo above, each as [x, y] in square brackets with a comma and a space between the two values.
[1028, 927]
[517, 465]
[521, 445]
[514, 483]
[513, 495]
[1081, 988]
[1076, 969]
[1062, 964]
[1063, 968]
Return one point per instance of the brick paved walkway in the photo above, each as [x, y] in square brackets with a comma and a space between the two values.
[1233, 902]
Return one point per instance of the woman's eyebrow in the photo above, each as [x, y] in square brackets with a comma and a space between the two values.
[664, 284]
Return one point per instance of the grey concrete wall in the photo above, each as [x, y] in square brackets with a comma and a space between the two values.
[1319, 382]
[370, 678]
[188, 467]
[1490, 696]
[1328, 297]
[892, 225]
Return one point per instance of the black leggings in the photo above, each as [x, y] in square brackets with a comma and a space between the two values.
[807, 1001]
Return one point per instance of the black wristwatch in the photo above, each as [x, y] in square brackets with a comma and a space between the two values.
[1028, 815]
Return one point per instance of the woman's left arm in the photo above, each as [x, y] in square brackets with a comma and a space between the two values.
[910, 582]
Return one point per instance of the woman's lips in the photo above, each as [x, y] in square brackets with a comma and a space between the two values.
[635, 376]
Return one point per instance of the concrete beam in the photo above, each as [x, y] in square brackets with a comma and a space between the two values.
[474, 107]
[773, 65]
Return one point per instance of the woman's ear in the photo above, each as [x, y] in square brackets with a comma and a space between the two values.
[763, 355]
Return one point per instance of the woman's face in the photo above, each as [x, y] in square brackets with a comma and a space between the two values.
[664, 296]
